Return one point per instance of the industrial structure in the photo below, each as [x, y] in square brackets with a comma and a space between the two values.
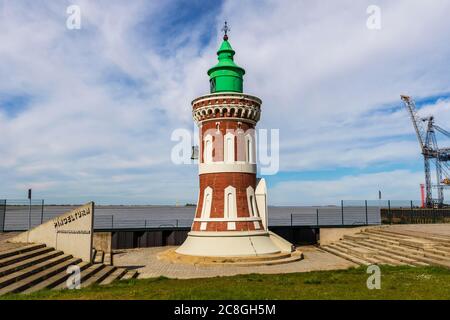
[426, 134]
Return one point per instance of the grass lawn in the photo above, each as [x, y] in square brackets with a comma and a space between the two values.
[396, 283]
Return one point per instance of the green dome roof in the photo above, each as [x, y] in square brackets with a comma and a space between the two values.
[226, 75]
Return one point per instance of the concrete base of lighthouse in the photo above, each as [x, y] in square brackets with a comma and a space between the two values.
[244, 249]
[228, 244]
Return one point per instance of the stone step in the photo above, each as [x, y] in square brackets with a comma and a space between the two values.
[338, 252]
[355, 250]
[418, 243]
[382, 237]
[406, 241]
[55, 280]
[99, 256]
[291, 258]
[355, 237]
[385, 229]
[28, 262]
[389, 260]
[98, 276]
[419, 234]
[409, 254]
[85, 274]
[414, 235]
[384, 254]
[131, 274]
[380, 240]
[439, 250]
[116, 275]
[31, 270]
[20, 250]
[234, 260]
[172, 256]
[378, 255]
[108, 259]
[386, 238]
[385, 232]
[23, 256]
[48, 272]
[428, 253]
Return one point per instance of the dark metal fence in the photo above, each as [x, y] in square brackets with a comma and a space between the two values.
[410, 212]
[414, 216]
[109, 222]
[344, 215]
[2, 214]
[21, 214]
[18, 215]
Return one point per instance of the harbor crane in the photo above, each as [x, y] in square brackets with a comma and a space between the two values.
[426, 134]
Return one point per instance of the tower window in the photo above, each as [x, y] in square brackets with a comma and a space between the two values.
[249, 152]
[212, 85]
[208, 150]
[230, 203]
[206, 208]
[229, 148]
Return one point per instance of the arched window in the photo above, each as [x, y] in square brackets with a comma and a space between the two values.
[230, 201]
[249, 152]
[208, 150]
[228, 153]
[230, 207]
[206, 207]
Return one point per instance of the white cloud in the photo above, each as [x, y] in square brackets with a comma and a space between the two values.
[394, 185]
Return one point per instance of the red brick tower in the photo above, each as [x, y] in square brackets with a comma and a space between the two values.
[231, 213]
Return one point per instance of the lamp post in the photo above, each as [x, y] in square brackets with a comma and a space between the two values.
[29, 209]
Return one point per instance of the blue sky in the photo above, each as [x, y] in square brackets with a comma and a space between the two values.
[88, 114]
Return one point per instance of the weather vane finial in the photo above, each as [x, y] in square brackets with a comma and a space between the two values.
[225, 29]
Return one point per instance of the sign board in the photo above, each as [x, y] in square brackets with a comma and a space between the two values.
[71, 232]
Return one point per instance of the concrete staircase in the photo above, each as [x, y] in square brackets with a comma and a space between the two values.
[32, 267]
[392, 247]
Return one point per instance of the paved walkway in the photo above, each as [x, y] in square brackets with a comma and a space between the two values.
[145, 261]
[148, 265]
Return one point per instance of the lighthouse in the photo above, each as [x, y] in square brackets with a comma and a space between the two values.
[231, 215]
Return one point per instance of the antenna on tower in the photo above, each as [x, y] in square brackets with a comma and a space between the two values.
[225, 30]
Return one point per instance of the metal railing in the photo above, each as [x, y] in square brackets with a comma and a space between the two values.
[18, 215]
[414, 216]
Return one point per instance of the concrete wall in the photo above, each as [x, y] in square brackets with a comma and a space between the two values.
[330, 235]
[103, 241]
[159, 238]
[70, 232]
